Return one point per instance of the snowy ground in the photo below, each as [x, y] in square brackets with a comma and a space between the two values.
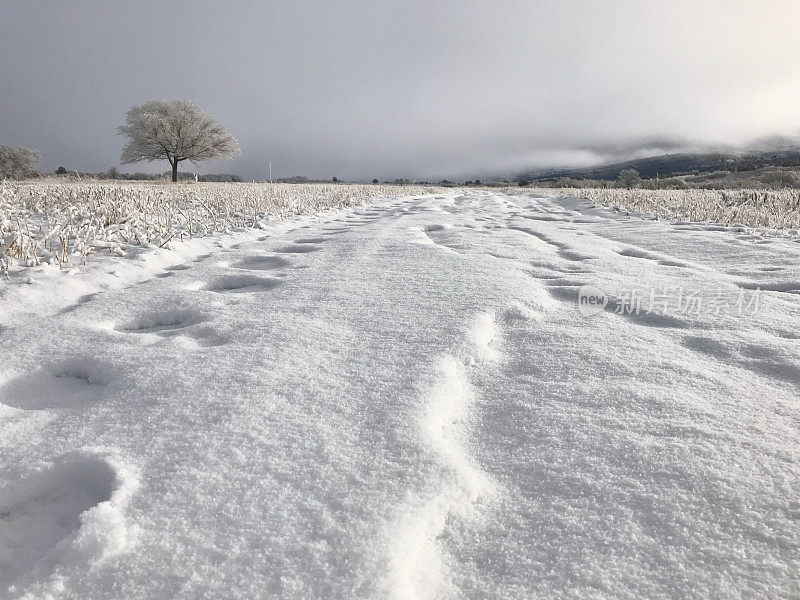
[404, 401]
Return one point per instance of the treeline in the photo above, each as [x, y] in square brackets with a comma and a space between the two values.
[113, 173]
[16, 162]
[771, 177]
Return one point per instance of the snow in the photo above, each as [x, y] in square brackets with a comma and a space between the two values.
[403, 400]
[67, 513]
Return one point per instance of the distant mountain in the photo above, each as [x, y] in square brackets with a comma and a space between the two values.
[668, 165]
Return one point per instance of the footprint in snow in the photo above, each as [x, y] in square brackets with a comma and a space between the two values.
[241, 284]
[81, 301]
[208, 337]
[645, 255]
[65, 385]
[787, 334]
[162, 320]
[203, 336]
[561, 282]
[519, 311]
[298, 249]
[574, 256]
[787, 287]
[545, 217]
[673, 263]
[757, 358]
[49, 517]
[262, 263]
[706, 345]
[177, 324]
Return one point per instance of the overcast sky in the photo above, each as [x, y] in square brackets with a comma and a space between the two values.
[431, 89]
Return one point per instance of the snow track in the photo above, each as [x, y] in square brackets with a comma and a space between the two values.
[404, 401]
[419, 565]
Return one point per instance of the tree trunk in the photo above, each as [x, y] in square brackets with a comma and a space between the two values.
[174, 171]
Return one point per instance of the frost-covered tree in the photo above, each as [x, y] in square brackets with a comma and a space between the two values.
[16, 162]
[629, 178]
[175, 130]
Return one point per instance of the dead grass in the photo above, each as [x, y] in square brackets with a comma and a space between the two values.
[63, 223]
[769, 209]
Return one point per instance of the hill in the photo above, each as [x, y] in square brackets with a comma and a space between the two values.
[675, 164]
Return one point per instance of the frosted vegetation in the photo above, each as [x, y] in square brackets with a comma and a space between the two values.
[62, 223]
[175, 130]
[771, 209]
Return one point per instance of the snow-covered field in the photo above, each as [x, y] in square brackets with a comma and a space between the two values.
[403, 400]
[61, 223]
[774, 212]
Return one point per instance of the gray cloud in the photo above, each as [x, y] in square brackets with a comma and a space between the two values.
[361, 89]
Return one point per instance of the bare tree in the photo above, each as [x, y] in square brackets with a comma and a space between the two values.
[176, 130]
[16, 162]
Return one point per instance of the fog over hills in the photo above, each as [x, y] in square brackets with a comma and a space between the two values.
[675, 164]
[419, 90]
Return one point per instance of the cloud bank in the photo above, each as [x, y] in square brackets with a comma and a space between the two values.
[359, 89]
